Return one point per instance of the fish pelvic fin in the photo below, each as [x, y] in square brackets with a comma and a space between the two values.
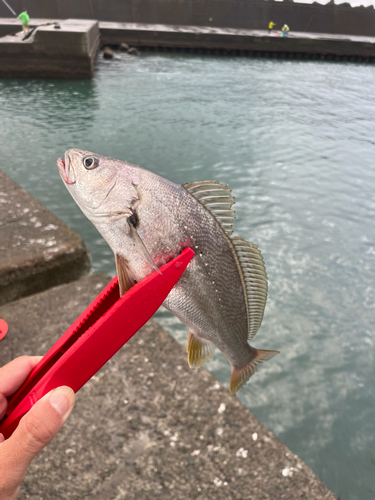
[125, 281]
[240, 376]
[198, 351]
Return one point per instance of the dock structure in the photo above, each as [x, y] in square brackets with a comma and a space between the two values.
[67, 49]
[317, 17]
[57, 49]
[243, 42]
[145, 426]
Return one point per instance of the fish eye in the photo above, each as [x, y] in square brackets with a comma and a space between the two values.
[90, 162]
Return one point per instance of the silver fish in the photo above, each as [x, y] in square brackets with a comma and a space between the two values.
[147, 220]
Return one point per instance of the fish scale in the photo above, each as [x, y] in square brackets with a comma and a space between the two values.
[147, 220]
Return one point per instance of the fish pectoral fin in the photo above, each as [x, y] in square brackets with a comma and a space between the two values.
[199, 351]
[141, 248]
[125, 281]
[240, 376]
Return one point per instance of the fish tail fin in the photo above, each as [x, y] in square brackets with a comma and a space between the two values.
[240, 376]
[198, 351]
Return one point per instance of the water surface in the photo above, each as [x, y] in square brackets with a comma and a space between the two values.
[295, 141]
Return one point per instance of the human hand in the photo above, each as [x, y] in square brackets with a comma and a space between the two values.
[35, 430]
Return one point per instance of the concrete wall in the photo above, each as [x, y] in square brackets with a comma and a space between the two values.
[250, 14]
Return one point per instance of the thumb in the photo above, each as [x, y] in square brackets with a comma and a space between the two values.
[35, 430]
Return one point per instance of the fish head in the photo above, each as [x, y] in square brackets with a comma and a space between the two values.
[104, 189]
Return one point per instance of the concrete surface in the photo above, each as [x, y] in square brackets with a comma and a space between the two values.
[37, 250]
[208, 38]
[146, 426]
[68, 52]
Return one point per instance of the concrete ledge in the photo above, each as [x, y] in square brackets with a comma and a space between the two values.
[37, 250]
[68, 52]
[146, 426]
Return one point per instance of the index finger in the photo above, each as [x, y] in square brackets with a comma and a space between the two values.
[14, 374]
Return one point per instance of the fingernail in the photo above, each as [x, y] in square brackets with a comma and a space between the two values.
[62, 400]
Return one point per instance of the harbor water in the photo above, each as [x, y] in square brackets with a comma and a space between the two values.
[295, 142]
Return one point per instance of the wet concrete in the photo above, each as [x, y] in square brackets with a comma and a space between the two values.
[67, 52]
[37, 250]
[146, 426]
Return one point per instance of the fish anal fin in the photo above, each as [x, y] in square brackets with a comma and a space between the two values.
[240, 376]
[125, 281]
[198, 351]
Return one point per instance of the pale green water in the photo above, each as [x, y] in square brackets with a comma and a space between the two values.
[295, 141]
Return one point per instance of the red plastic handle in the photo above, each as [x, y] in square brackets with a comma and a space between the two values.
[3, 328]
[82, 351]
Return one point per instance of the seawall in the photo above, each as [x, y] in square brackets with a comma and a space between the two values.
[69, 52]
[239, 14]
[239, 42]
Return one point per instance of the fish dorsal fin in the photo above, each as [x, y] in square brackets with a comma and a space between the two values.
[217, 199]
[255, 281]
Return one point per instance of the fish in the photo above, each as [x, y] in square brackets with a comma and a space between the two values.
[147, 220]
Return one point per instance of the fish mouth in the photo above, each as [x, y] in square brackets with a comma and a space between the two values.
[66, 170]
